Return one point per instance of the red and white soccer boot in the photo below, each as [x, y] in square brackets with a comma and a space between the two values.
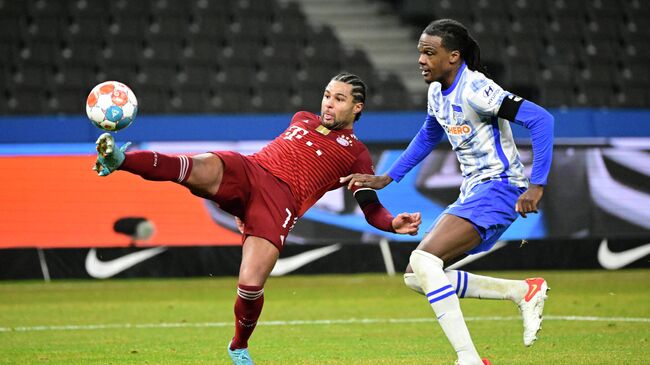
[531, 308]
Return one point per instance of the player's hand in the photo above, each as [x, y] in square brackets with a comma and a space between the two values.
[366, 181]
[240, 225]
[407, 223]
[527, 202]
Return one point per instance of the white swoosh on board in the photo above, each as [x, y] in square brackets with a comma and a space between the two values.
[105, 269]
[616, 260]
[288, 264]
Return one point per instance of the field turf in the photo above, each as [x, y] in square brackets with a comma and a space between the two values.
[358, 319]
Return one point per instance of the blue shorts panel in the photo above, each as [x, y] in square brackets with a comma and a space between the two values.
[490, 207]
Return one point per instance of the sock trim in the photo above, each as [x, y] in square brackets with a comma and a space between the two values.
[439, 290]
[185, 165]
[432, 298]
[462, 295]
[249, 294]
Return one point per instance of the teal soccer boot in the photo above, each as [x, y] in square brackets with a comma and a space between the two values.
[109, 158]
[240, 356]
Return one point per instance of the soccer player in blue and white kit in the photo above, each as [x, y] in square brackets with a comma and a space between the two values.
[475, 114]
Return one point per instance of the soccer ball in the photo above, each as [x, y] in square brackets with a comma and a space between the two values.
[111, 106]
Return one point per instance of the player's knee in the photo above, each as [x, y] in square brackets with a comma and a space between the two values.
[412, 282]
[421, 261]
[205, 176]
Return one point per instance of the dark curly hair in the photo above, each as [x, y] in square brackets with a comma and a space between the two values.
[456, 37]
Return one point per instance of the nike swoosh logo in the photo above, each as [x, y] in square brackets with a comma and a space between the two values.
[616, 260]
[105, 269]
[531, 293]
[288, 264]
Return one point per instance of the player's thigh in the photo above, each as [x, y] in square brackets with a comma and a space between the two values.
[206, 174]
[450, 238]
[259, 256]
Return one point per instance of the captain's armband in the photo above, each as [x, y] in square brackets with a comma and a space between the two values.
[509, 107]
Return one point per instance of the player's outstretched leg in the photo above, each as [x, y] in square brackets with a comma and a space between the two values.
[529, 295]
[240, 356]
[109, 158]
[468, 285]
[531, 307]
[149, 165]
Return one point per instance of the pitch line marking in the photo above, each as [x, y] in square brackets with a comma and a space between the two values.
[308, 322]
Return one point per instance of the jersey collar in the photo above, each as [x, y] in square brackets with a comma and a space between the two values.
[448, 90]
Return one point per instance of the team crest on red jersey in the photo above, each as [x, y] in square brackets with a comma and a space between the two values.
[344, 141]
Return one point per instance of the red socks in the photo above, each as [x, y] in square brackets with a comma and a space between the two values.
[158, 167]
[248, 307]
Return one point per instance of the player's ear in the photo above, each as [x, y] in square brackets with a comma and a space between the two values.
[454, 56]
[358, 107]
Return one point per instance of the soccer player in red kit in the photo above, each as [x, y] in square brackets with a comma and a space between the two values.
[269, 190]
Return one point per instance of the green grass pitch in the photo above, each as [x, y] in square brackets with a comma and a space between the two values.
[333, 319]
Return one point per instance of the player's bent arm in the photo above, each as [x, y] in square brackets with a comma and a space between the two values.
[422, 144]
[375, 213]
[540, 123]
[380, 218]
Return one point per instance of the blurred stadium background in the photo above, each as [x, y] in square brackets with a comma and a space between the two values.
[228, 74]
[243, 56]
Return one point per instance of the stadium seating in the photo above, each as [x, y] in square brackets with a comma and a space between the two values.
[562, 53]
[197, 56]
[228, 56]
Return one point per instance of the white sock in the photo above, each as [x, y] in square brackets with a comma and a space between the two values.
[444, 301]
[485, 287]
[469, 285]
[412, 282]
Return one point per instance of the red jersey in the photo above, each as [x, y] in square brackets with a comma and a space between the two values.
[311, 158]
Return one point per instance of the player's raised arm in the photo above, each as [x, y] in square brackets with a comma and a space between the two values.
[379, 217]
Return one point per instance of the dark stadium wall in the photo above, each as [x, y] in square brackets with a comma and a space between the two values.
[195, 261]
[373, 127]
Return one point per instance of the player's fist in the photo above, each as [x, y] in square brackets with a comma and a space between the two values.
[407, 223]
[527, 202]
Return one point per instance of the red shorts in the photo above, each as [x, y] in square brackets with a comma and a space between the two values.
[261, 200]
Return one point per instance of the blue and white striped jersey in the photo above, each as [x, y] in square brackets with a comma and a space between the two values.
[483, 142]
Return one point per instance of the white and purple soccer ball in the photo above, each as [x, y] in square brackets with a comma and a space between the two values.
[111, 106]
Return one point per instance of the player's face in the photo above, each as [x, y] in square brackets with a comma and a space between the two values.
[436, 62]
[338, 107]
